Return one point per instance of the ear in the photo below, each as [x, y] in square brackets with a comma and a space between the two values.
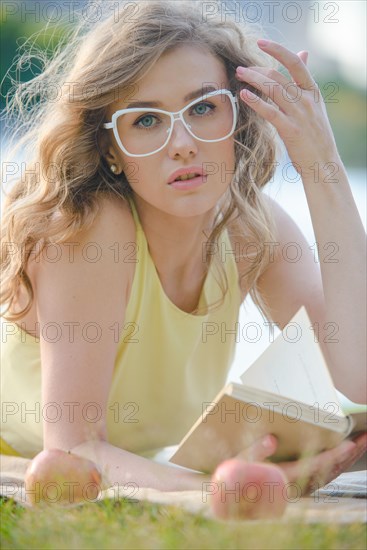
[109, 152]
[111, 155]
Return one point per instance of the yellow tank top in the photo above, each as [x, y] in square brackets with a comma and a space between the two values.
[169, 364]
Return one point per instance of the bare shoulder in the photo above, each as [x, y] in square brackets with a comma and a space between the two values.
[291, 277]
[112, 227]
[285, 231]
[242, 248]
[114, 219]
[95, 257]
[281, 219]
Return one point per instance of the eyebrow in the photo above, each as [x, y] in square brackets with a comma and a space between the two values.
[192, 95]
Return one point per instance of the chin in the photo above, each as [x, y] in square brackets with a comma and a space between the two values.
[191, 205]
[185, 204]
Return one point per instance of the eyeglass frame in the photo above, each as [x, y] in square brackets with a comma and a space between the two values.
[178, 115]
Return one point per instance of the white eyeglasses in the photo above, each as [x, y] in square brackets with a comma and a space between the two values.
[215, 123]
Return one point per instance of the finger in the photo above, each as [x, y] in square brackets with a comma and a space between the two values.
[359, 450]
[325, 461]
[304, 56]
[259, 450]
[272, 74]
[273, 115]
[295, 65]
[270, 88]
[345, 459]
[315, 472]
[361, 441]
[290, 89]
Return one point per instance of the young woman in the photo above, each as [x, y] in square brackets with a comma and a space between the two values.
[127, 239]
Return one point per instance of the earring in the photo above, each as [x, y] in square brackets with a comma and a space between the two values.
[113, 168]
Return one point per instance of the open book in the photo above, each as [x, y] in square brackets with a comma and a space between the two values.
[288, 392]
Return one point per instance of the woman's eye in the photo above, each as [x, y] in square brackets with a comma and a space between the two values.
[203, 108]
[145, 121]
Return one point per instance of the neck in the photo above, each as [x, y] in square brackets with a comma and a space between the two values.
[177, 245]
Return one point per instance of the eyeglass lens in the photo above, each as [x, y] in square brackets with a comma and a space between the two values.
[144, 131]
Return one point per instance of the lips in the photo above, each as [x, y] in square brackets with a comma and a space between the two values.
[189, 184]
[190, 176]
[191, 171]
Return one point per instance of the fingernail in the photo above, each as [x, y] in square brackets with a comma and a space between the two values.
[263, 43]
[268, 442]
[240, 70]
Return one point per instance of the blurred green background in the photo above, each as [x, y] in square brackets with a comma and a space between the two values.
[347, 111]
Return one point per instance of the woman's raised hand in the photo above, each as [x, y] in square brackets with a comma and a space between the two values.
[297, 110]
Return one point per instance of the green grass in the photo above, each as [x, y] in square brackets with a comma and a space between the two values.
[120, 525]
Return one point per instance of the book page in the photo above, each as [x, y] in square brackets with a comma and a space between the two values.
[293, 366]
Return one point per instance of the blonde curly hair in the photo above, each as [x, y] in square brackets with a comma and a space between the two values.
[61, 138]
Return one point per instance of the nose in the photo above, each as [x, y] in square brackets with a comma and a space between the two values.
[181, 141]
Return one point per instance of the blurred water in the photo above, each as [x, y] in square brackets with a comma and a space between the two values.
[255, 337]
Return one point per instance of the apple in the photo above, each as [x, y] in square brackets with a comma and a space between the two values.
[245, 490]
[59, 477]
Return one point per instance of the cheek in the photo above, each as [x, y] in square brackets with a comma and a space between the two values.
[133, 172]
[131, 168]
[226, 165]
[139, 174]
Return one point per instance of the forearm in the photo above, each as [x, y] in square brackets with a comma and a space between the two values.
[120, 467]
[342, 254]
